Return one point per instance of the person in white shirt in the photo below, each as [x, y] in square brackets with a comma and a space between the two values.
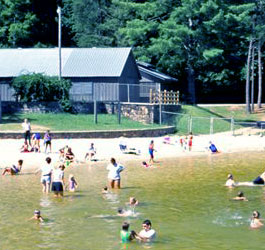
[58, 181]
[26, 128]
[114, 173]
[147, 234]
[46, 173]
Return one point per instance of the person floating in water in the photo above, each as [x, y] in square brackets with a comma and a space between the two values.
[240, 197]
[260, 180]
[125, 235]
[230, 181]
[37, 216]
[124, 213]
[213, 148]
[255, 220]
[72, 184]
[14, 169]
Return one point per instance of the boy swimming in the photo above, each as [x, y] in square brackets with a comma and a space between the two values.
[37, 216]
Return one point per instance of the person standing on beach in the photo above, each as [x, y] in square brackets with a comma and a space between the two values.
[114, 173]
[26, 128]
[48, 141]
[151, 152]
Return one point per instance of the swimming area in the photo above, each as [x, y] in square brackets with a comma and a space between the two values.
[185, 199]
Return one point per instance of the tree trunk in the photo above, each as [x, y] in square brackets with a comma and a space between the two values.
[247, 75]
[260, 75]
[252, 78]
[191, 84]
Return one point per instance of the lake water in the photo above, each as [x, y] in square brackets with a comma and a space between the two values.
[184, 198]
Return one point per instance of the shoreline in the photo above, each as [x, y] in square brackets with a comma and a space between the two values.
[107, 148]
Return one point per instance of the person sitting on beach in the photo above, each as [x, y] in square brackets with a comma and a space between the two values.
[255, 220]
[133, 202]
[69, 155]
[230, 181]
[125, 235]
[147, 234]
[72, 184]
[260, 180]
[37, 216]
[14, 169]
[91, 152]
[145, 164]
[36, 142]
[167, 140]
[25, 148]
[62, 152]
[213, 148]
[240, 197]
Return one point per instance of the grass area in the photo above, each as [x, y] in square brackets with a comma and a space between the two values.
[201, 118]
[69, 122]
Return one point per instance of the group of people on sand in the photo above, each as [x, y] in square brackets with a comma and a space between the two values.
[32, 142]
[260, 180]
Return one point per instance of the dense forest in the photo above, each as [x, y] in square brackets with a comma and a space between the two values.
[213, 47]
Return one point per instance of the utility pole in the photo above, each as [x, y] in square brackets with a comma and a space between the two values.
[59, 11]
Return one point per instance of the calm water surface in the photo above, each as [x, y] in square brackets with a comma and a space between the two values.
[184, 198]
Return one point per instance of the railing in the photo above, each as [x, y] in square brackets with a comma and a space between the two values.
[164, 97]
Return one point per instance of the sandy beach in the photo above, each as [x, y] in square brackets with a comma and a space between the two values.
[107, 148]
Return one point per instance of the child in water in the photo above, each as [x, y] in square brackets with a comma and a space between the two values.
[37, 216]
[255, 220]
[14, 169]
[240, 197]
[125, 235]
[72, 183]
[105, 190]
[133, 201]
[230, 181]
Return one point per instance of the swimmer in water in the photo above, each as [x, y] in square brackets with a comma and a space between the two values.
[230, 181]
[133, 202]
[240, 197]
[124, 213]
[125, 235]
[37, 216]
[255, 220]
[105, 190]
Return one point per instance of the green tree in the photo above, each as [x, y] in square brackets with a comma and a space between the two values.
[37, 87]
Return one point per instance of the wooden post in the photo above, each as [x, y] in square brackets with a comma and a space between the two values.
[119, 112]
[151, 96]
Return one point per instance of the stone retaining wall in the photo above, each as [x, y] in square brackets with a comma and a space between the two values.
[141, 112]
[98, 134]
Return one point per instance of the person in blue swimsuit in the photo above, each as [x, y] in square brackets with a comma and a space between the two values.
[213, 148]
[151, 152]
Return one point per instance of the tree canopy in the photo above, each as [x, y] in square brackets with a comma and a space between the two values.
[203, 43]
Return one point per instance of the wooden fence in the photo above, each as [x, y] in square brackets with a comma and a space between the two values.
[164, 97]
